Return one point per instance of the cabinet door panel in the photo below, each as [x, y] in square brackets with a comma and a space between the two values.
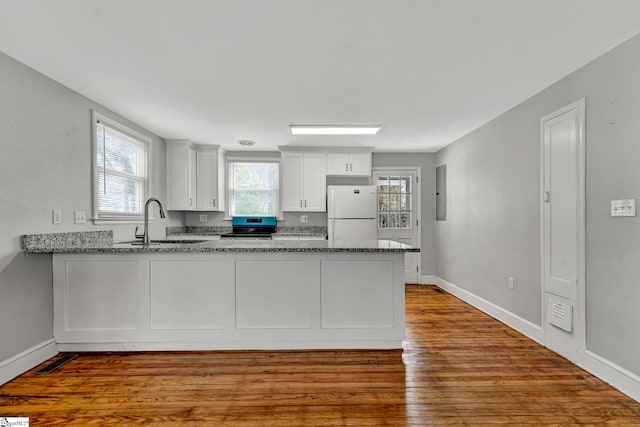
[94, 288]
[292, 181]
[357, 294]
[191, 294]
[178, 175]
[337, 164]
[315, 189]
[273, 294]
[360, 164]
[207, 181]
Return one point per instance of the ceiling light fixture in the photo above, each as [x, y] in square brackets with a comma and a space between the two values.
[246, 142]
[334, 129]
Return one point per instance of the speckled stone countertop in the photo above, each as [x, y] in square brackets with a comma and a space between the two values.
[103, 243]
[212, 230]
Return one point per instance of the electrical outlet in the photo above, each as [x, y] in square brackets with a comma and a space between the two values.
[56, 216]
[510, 282]
[304, 218]
[79, 217]
[203, 218]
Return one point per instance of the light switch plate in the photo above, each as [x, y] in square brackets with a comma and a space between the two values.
[56, 216]
[624, 207]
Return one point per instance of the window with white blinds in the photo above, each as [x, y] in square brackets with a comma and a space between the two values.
[253, 188]
[121, 173]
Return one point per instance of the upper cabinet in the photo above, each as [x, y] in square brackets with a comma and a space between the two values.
[303, 181]
[209, 179]
[195, 177]
[349, 163]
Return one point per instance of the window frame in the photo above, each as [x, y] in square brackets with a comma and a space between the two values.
[399, 211]
[103, 217]
[251, 159]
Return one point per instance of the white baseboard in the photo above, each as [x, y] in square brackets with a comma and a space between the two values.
[521, 325]
[389, 344]
[616, 376]
[428, 280]
[28, 359]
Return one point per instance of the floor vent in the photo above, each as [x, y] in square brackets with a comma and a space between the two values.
[56, 364]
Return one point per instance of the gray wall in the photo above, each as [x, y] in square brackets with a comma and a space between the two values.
[45, 163]
[493, 225]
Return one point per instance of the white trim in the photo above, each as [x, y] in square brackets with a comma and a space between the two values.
[383, 344]
[514, 321]
[616, 376]
[428, 280]
[417, 203]
[581, 316]
[147, 143]
[27, 360]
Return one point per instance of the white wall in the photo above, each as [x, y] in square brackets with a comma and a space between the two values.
[493, 225]
[45, 163]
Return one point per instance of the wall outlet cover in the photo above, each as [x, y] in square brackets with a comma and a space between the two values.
[304, 218]
[79, 217]
[203, 218]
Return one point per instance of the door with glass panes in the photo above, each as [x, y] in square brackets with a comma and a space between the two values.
[398, 213]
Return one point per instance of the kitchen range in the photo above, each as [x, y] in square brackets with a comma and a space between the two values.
[251, 227]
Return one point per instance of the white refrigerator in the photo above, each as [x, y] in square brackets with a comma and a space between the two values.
[352, 212]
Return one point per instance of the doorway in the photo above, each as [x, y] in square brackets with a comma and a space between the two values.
[563, 229]
[399, 212]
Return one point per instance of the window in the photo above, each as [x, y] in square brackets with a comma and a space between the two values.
[121, 173]
[253, 188]
[394, 202]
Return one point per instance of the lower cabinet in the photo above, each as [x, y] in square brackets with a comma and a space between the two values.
[168, 301]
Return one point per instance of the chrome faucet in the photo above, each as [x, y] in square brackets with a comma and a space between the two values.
[145, 234]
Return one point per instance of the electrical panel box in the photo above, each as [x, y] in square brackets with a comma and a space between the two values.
[626, 207]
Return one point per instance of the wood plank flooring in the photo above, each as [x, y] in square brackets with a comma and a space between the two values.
[459, 367]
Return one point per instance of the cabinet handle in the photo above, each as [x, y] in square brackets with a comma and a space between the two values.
[346, 167]
[214, 203]
[300, 202]
[350, 167]
[305, 203]
[189, 201]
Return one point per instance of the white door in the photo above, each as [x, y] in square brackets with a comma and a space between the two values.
[399, 213]
[563, 198]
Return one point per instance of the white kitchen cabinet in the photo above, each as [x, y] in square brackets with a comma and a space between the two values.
[241, 300]
[303, 181]
[195, 177]
[344, 163]
[209, 178]
[181, 176]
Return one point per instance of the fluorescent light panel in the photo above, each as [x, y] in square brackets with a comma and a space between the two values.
[334, 130]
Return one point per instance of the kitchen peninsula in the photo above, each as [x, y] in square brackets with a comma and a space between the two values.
[224, 294]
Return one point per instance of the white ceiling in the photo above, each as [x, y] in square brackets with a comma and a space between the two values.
[213, 71]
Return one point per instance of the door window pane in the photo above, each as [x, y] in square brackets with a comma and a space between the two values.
[394, 202]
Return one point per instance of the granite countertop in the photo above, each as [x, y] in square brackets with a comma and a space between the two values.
[102, 242]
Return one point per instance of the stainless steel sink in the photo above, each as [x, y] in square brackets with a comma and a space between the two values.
[164, 242]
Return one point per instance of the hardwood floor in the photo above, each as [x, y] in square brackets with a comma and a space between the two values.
[459, 367]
